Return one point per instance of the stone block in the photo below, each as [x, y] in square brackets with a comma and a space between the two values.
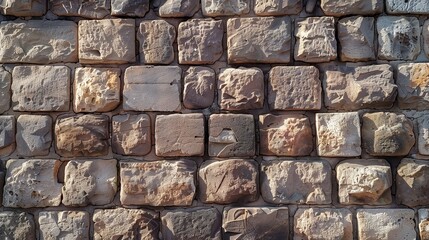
[423, 135]
[231, 135]
[179, 8]
[7, 135]
[423, 222]
[364, 182]
[216, 8]
[425, 34]
[241, 88]
[34, 135]
[131, 134]
[32, 183]
[159, 183]
[5, 92]
[95, 9]
[259, 40]
[387, 134]
[129, 8]
[200, 41]
[2, 175]
[17, 225]
[413, 86]
[199, 89]
[152, 88]
[407, 7]
[351, 7]
[411, 182]
[228, 181]
[156, 39]
[21, 8]
[278, 7]
[38, 41]
[64, 225]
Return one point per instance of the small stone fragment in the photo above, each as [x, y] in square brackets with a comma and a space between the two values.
[425, 34]
[129, 8]
[156, 39]
[22, 8]
[351, 7]
[424, 223]
[34, 135]
[95, 9]
[411, 182]
[407, 7]
[64, 225]
[199, 87]
[17, 225]
[215, 8]
[413, 86]
[7, 135]
[423, 135]
[5, 93]
[179, 8]
[278, 7]
[131, 134]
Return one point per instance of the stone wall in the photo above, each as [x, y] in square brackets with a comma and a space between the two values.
[219, 119]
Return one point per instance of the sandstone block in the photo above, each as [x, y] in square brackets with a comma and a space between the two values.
[200, 41]
[149, 88]
[5, 93]
[387, 134]
[7, 135]
[131, 134]
[130, 8]
[32, 183]
[108, 41]
[406, 7]
[259, 40]
[241, 88]
[365, 181]
[423, 135]
[159, 183]
[82, 135]
[199, 87]
[34, 135]
[17, 225]
[315, 40]
[95, 9]
[179, 8]
[411, 182]
[64, 225]
[296, 182]
[423, 223]
[277, 7]
[38, 41]
[351, 7]
[294, 88]
[215, 8]
[21, 8]
[228, 181]
[338, 134]
[156, 39]
[231, 135]
[413, 86]
[425, 34]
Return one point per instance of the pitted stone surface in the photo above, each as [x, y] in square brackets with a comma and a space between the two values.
[423, 222]
[407, 7]
[411, 182]
[199, 89]
[131, 134]
[130, 8]
[423, 135]
[215, 8]
[278, 7]
[17, 225]
[5, 92]
[64, 225]
[96, 9]
[34, 135]
[156, 39]
[179, 8]
[23, 8]
[413, 86]
[7, 135]
[351, 7]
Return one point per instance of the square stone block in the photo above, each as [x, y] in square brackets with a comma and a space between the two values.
[5, 93]
[156, 39]
[131, 134]
[407, 7]
[413, 86]
[423, 135]
[93, 9]
[199, 89]
[17, 225]
[215, 8]
[278, 7]
[351, 7]
[179, 8]
[129, 8]
[22, 8]
[64, 225]
[423, 222]
[411, 182]
[34, 135]
[7, 135]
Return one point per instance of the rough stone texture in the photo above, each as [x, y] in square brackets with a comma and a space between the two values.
[95, 9]
[144, 84]
[108, 41]
[411, 182]
[179, 135]
[23, 8]
[96, 89]
[156, 39]
[285, 135]
[121, 223]
[34, 135]
[41, 88]
[387, 134]
[130, 8]
[38, 41]
[199, 89]
[7, 135]
[228, 181]
[423, 223]
[131, 134]
[338, 134]
[323, 223]
[2, 175]
[407, 7]
[277, 7]
[398, 38]
[256, 223]
[351, 7]
[364, 182]
[5, 93]
[231, 135]
[241, 88]
[215, 8]
[315, 40]
[179, 8]
[64, 225]
[82, 135]
[353, 88]
[89, 182]
[423, 135]
[200, 41]
[193, 223]
[294, 88]
[296, 182]
[357, 39]
[160, 183]
[17, 225]
[259, 40]
[425, 34]
[386, 224]
[32, 183]
[413, 86]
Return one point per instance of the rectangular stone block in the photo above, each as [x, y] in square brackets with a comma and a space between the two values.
[423, 222]
[423, 135]
[95, 9]
[156, 39]
[411, 182]
[278, 7]
[64, 225]
[34, 135]
[407, 7]
[22, 8]
[179, 8]
[199, 89]
[425, 34]
[17, 225]
[131, 134]
[215, 8]
[7, 135]
[351, 7]
[413, 86]
[5, 93]
[130, 8]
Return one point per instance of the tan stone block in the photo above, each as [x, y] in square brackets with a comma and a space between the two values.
[199, 89]
[411, 182]
[179, 8]
[215, 8]
[34, 135]
[351, 7]
[5, 93]
[130, 8]
[131, 134]
[423, 135]
[64, 225]
[423, 222]
[413, 86]
[277, 7]
[17, 225]
[95, 9]
[23, 8]
[156, 39]
[7, 135]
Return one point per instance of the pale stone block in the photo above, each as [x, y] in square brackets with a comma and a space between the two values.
[17, 225]
[7, 135]
[5, 91]
[131, 134]
[352, 7]
[407, 7]
[130, 8]
[34, 135]
[199, 89]
[215, 8]
[411, 182]
[156, 39]
[423, 135]
[423, 222]
[278, 7]
[179, 8]
[96, 9]
[64, 225]
[413, 86]
[22, 8]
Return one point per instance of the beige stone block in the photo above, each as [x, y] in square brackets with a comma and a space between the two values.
[64, 225]
[352, 7]
[215, 8]
[413, 86]
[34, 135]
[7, 135]
[411, 182]
[156, 39]
[130, 8]
[277, 7]
[199, 89]
[179, 8]
[131, 134]
[17, 225]
[21, 8]
[5, 92]
[423, 222]
[95, 9]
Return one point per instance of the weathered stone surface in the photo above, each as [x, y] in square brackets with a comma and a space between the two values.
[200, 41]
[228, 181]
[424, 223]
[193, 223]
[425, 34]
[413, 86]
[398, 38]
[2, 175]
[411, 182]
[199, 87]
[82, 135]
[17, 225]
[179, 8]
[386, 224]
[259, 40]
[407, 7]
[32, 183]
[23, 8]
[351, 7]
[366, 181]
[156, 39]
[315, 40]
[256, 223]
[277, 7]
[38, 41]
[121, 223]
[130, 8]
[159, 183]
[64, 225]
[387, 134]
[34, 135]
[41, 88]
[323, 223]
[96, 89]
[144, 86]
[423, 135]
[7, 135]
[89, 182]
[353, 88]
[338, 134]
[285, 135]
[296, 182]
[108, 41]
[357, 39]
[179, 135]
[241, 88]
[5, 93]
[294, 88]
[231, 135]
[215, 8]
[131, 134]
[95, 9]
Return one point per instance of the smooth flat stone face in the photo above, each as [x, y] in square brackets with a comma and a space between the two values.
[351, 7]
[215, 8]
[277, 7]
[21, 8]
[129, 8]
[411, 179]
[17, 225]
[199, 89]
[34, 135]
[156, 39]
[179, 8]
[413, 88]
[131, 134]
[425, 34]
[64, 225]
